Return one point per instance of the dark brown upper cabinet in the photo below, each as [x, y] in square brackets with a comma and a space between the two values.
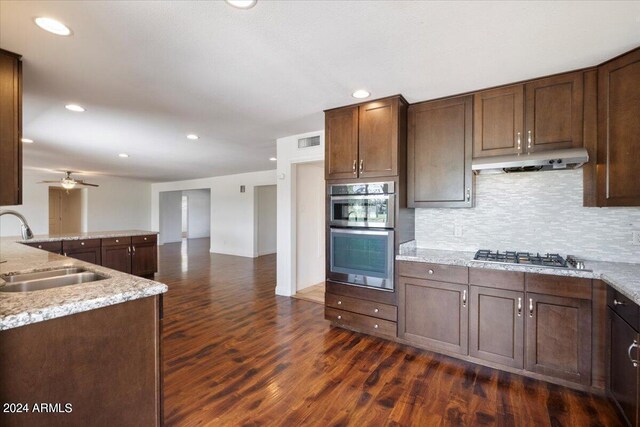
[439, 147]
[10, 129]
[498, 121]
[366, 140]
[618, 151]
[543, 114]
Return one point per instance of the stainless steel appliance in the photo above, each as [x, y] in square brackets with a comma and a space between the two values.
[362, 257]
[362, 205]
[527, 258]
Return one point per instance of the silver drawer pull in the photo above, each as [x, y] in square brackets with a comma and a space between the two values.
[339, 302]
[39, 246]
[339, 317]
[616, 302]
[375, 310]
[81, 243]
[375, 326]
[633, 361]
[519, 306]
[117, 241]
[145, 238]
[430, 271]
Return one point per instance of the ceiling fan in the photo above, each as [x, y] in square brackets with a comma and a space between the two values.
[68, 182]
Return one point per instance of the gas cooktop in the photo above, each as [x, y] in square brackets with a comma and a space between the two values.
[528, 258]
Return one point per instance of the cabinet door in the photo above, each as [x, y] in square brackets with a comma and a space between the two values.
[624, 375]
[144, 259]
[378, 139]
[498, 117]
[434, 314]
[117, 257]
[553, 112]
[91, 255]
[558, 337]
[341, 143]
[619, 131]
[10, 129]
[496, 326]
[439, 153]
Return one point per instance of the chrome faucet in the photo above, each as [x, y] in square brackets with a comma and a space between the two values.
[24, 227]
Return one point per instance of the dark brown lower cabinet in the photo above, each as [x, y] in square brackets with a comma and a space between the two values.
[558, 337]
[496, 326]
[144, 255]
[84, 250]
[435, 314]
[623, 382]
[116, 254]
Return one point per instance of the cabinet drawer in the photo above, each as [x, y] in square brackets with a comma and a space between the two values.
[55, 247]
[151, 238]
[438, 272]
[116, 241]
[561, 286]
[624, 307]
[68, 245]
[370, 308]
[510, 280]
[360, 323]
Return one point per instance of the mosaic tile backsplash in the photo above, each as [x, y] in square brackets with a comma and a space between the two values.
[535, 212]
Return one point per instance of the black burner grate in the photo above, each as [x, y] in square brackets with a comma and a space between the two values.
[511, 257]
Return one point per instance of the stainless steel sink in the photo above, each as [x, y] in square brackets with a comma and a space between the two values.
[49, 279]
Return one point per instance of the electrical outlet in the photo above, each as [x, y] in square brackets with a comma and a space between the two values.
[635, 238]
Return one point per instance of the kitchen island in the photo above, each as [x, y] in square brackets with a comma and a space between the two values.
[84, 354]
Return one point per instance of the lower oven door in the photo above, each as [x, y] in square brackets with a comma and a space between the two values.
[362, 257]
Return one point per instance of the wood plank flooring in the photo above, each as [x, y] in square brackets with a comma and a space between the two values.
[238, 355]
[313, 293]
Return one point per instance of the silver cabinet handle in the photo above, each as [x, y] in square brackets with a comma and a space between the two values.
[530, 307]
[339, 302]
[81, 243]
[64, 253]
[430, 271]
[519, 142]
[145, 238]
[375, 326]
[361, 165]
[129, 250]
[464, 298]
[134, 250]
[468, 194]
[633, 361]
[117, 241]
[339, 317]
[616, 302]
[529, 141]
[39, 246]
[519, 306]
[353, 168]
[375, 310]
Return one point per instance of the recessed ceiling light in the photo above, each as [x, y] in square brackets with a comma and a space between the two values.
[360, 94]
[193, 136]
[273, 159]
[242, 4]
[123, 155]
[27, 140]
[75, 108]
[53, 26]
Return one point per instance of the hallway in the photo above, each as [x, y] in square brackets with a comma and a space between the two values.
[236, 354]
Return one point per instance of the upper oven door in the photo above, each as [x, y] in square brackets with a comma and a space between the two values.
[373, 211]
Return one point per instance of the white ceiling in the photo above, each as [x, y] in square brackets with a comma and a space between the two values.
[151, 72]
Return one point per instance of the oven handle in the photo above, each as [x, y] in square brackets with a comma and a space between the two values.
[363, 196]
[370, 232]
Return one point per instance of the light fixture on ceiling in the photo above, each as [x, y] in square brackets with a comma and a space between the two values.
[242, 4]
[193, 136]
[75, 108]
[361, 94]
[53, 26]
[68, 183]
[273, 159]
[27, 141]
[123, 155]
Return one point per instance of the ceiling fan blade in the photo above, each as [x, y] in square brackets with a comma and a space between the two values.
[49, 182]
[80, 182]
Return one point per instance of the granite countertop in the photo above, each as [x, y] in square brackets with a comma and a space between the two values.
[20, 309]
[624, 277]
[86, 235]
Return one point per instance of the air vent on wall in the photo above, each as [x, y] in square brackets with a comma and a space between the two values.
[311, 141]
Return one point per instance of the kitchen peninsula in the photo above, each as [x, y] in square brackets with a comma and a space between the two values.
[94, 346]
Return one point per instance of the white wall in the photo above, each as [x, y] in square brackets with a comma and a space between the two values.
[170, 225]
[289, 156]
[118, 204]
[199, 213]
[310, 226]
[266, 218]
[232, 212]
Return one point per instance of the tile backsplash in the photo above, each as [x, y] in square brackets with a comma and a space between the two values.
[536, 212]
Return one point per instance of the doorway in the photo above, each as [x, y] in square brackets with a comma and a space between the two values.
[65, 210]
[184, 214]
[310, 231]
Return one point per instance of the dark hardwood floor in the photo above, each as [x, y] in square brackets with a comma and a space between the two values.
[236, 354]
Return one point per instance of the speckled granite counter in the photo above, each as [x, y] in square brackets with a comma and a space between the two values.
[624, 277]
[19, 309]
[87, 235]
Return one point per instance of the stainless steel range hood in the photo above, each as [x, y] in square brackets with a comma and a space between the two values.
[570, 158]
